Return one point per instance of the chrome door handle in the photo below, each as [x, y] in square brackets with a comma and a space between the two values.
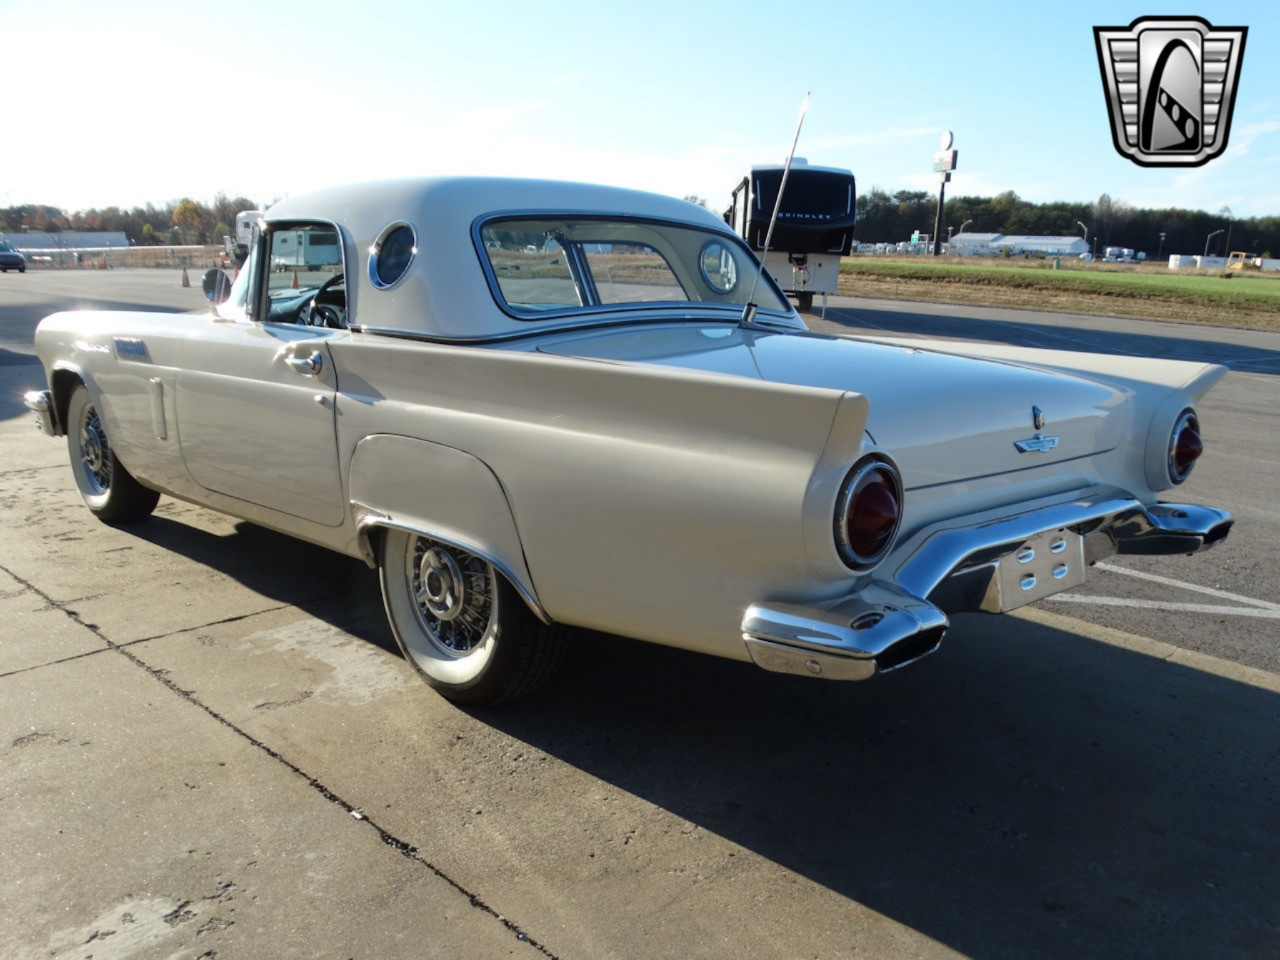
[310, 366]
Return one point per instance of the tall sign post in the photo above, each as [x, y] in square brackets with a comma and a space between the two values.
[944, 161]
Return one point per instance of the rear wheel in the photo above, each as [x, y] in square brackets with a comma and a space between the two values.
[464, 628]
[109, 490]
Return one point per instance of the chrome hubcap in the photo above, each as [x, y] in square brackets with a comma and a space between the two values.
[440, 586]
[453, 595]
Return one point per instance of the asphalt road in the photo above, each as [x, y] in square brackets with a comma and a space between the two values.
[209, 746]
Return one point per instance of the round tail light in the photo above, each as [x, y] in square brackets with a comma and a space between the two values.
[868, 513]
[1185, 446]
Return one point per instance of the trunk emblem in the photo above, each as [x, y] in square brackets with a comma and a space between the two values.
[1037, 444]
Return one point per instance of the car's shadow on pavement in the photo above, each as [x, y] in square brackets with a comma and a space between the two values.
[1197, 346]
[1025, 792]
[1031, 794]
[337, 589]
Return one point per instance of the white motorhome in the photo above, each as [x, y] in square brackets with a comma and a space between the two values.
[814, 228]
[305, 249]
[237, 245]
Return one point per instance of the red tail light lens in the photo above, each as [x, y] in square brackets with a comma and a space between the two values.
[869, 512]
[1185, 446]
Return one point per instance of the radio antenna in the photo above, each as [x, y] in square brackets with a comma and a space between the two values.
[749, 310]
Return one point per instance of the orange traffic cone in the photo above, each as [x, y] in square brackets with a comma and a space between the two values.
[186, 281]
[294, 285]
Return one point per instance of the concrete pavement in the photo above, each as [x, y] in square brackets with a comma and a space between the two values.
[209, 747]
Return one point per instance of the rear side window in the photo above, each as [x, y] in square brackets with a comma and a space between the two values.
[532, 269]
[558, 265]
[632, 273]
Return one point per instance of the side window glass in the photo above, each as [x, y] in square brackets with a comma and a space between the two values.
[631, 273]
[302, 256]
[532, 268]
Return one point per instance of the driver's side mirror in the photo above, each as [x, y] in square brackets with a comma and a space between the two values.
[217, 287]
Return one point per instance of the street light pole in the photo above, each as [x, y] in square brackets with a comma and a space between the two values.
[1206, 242]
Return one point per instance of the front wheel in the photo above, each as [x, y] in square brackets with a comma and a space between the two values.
[464, 628]
[109, 490]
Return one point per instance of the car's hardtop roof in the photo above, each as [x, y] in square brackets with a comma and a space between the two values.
[445, 292]
[462, 199]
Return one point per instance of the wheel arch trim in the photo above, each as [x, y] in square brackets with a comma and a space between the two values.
[439, 492]
[371, 524]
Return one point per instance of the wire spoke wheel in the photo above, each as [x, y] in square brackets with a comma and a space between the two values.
[95, 451]
[109, 490]
[454, 591]
[460, 623]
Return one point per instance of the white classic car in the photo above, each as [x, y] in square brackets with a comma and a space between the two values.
[534, 404]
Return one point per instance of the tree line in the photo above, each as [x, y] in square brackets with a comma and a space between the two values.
[884, 217]
[177, 222]
[881, 217]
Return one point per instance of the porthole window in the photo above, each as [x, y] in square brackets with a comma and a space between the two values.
[718, 266]
[390, 256]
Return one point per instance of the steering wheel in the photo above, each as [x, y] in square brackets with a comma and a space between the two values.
[317, 314]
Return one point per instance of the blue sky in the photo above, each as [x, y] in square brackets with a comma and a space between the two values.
[125, 102]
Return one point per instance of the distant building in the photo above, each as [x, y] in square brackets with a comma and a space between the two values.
[67, 240]
[995, 244]
[973, 244]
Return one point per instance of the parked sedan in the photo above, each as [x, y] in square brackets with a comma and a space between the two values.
[11, 259]
[534, 404]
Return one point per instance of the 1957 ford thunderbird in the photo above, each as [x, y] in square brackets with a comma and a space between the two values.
[535, 404]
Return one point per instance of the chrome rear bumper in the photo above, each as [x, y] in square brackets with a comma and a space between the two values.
[992, 567]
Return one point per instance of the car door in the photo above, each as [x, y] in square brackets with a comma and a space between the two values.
[255, 397]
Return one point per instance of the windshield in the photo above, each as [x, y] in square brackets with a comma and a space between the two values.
[554, 266]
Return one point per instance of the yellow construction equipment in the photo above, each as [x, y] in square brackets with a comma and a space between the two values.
[1239, 260]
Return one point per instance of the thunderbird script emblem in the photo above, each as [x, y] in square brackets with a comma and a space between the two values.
[1170, 84]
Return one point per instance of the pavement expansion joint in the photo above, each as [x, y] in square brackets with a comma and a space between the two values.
[55, 663]
[403, 847]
